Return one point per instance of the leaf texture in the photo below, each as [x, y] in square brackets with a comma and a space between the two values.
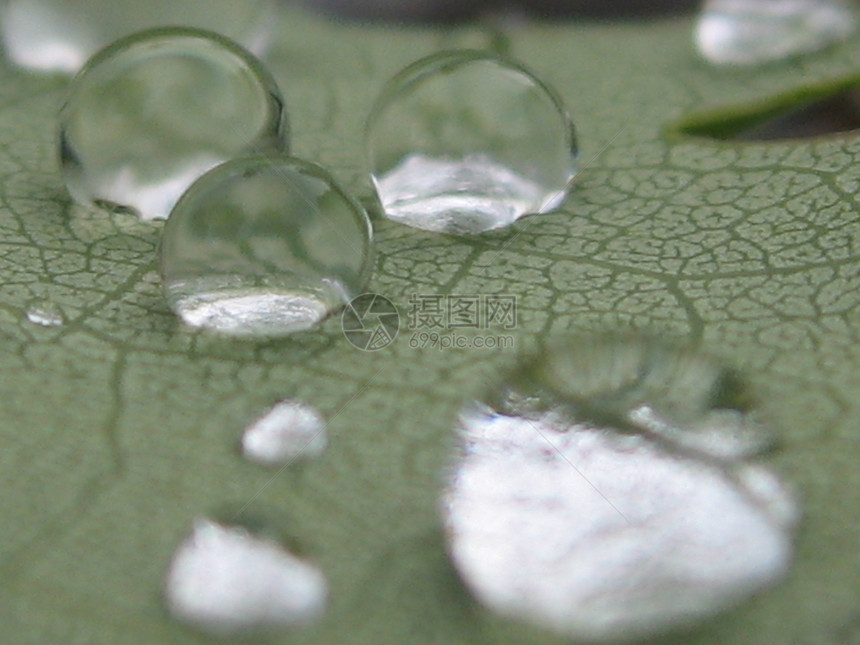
[120, 426]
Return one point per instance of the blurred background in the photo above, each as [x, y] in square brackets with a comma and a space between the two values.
[451, 10]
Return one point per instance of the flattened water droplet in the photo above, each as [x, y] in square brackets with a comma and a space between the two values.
[750, 32]
[45, 313]
[567, 509]
[151, 113]
[720, 433]
[290, 430]
[225, 581]
[264, 246]
[464, 142]
[61, 35]
[637, 385]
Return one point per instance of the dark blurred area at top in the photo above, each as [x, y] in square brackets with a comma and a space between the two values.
[446, 11]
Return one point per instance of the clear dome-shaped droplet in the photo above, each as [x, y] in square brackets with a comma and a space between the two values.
[750, 32]
[60, 35]
[154, 111]
[227, 581]
[465, 141]
[570, 507]
[264, 246]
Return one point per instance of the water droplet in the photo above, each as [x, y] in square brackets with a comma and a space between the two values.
[264, 246]
[640, 385]
[465, 141]
[289, 431]
[60, 35]
[750, 32]
[571, 508]
[151, 113]
[45, 313]
[225, 580]
[720, 433]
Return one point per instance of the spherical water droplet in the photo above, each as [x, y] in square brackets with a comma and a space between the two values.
[154, 111]
[599, 525]
[61, 35]
[264, 246]
[45, 313]
[750, 32]
[289, 431]
[226, 581]
[465, 141]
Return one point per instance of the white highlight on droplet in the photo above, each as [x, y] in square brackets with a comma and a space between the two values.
[598, 535]
[246, 312]
[225, 581]
[467, 196]
[291, 430]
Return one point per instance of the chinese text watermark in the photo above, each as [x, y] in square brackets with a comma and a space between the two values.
[372, 321]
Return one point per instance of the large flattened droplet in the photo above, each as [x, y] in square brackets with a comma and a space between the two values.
[465, 141]
[616, 504]
[151, 113]
[60, 35]
[264, 246]
[754, 32]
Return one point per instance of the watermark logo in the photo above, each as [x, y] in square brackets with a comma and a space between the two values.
[370, 322]
[438, 313]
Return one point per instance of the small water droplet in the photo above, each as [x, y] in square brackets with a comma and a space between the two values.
[46, 314]
[60, 35]
[750, 32]
[225, 581]
[465, 141]
[264, 246]
[572, 507]
[152, 112]
[290, 430]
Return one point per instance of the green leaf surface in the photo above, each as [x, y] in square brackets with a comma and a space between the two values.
[120, 427]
